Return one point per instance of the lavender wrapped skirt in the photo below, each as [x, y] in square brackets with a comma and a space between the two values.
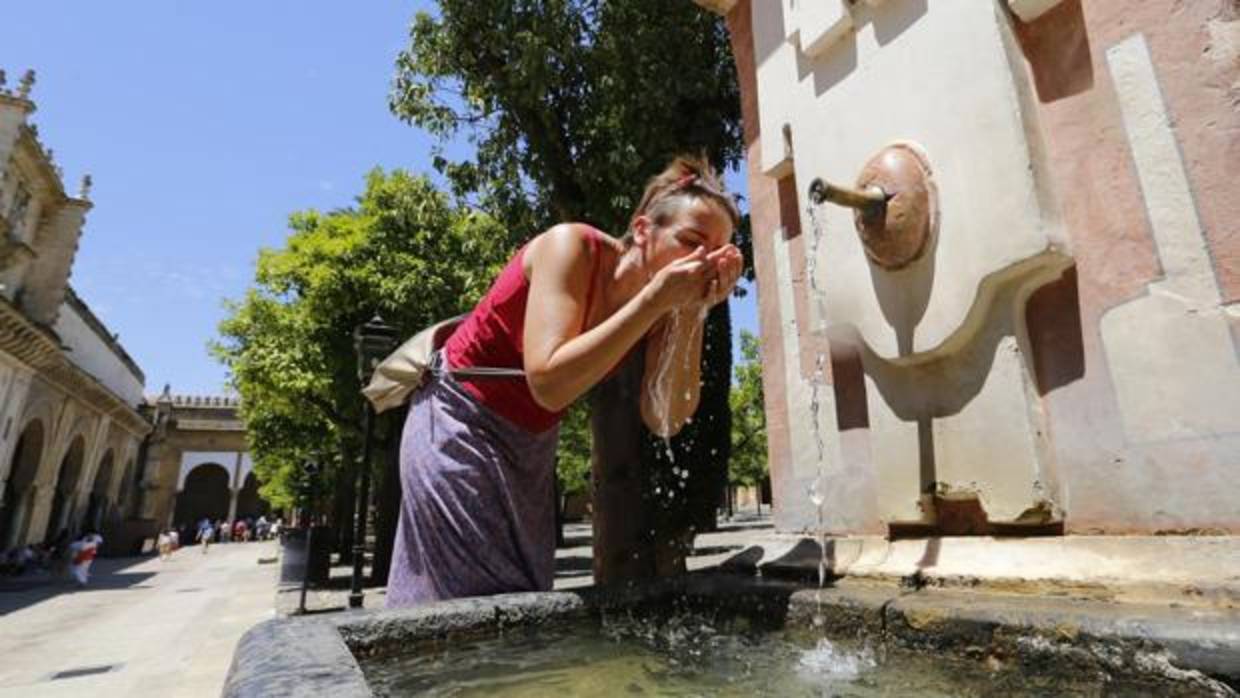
[477, 512]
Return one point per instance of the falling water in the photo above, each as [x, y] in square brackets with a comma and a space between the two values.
[817, 488]
[661, 389]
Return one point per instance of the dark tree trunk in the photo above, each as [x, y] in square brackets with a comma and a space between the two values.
[645, 514]
[343, 505]
[388, 499]
[709, 447]
[559, 511]
[623, 545]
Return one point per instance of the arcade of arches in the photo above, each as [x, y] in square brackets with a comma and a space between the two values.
[63, 475]
[195, 465]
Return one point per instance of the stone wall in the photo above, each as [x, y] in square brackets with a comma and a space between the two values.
[192, 432]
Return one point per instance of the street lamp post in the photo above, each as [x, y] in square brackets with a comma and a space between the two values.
[307, 486]
[372, 341]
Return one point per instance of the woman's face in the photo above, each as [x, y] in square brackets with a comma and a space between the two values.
[700, 223]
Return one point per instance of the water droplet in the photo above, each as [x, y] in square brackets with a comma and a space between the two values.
[815, 492]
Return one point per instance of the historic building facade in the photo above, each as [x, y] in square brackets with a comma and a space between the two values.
[70, 425]
[197, 462]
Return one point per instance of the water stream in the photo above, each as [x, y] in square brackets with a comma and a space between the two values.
[661, 389]
[817, 490]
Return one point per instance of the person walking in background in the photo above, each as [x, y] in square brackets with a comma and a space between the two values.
[164, 543]
[82, 555]
[205, 534]
[174, 541]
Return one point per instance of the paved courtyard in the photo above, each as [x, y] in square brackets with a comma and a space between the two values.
[142, 628]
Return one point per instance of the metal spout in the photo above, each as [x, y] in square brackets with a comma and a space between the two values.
[869, 201]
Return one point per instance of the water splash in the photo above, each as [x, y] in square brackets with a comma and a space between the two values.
[827, 663]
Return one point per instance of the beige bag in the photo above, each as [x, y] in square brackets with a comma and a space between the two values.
[404, 370]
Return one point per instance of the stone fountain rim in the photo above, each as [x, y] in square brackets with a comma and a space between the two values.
[317, 655]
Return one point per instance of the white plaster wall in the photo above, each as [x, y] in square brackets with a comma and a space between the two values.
[945, 82]
[944, 76]
[90, 353]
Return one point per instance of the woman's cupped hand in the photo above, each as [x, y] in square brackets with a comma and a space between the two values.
[699, 279]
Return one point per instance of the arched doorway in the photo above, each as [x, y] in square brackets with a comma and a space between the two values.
[205, 494]
[249, 504]
[18, 489]
[98, 506]
[61, 517]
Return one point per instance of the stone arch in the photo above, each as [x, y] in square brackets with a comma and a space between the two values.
[99, 502]
[206, 493]
[19, 489]
[249, 503]
[61, 516]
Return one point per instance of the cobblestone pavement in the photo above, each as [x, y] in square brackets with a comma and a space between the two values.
[574, 561]
[573, 564]
[142, 627]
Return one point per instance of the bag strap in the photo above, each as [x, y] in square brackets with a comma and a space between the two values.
[480, 372]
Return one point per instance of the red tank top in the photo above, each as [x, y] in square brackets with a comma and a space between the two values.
[493, 335]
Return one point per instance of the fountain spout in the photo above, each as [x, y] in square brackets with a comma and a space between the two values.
[896, 204]
[870, 201]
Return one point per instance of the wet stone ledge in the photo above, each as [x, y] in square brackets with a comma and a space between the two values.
[1195, 649]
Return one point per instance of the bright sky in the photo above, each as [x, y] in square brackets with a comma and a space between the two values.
[204, 125]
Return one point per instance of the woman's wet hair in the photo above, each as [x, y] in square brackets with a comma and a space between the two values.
[685, 180]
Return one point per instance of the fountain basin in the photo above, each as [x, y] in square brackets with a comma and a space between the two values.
[740, 631]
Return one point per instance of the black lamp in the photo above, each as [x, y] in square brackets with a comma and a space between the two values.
[307, 485]
[372, 341]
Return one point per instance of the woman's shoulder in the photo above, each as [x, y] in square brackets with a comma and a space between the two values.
[568, 243]
[578, 233]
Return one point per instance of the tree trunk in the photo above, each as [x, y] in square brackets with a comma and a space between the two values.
[559, 512]
[388, 499]
[707, 443]
[343, 505]
[623, 546]
[645, 515]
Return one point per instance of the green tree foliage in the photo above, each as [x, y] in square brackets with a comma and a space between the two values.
[404, 251]
[749, 459]
[570, 106]
[573, 456]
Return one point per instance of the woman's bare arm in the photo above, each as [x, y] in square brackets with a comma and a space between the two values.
[561, 362]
